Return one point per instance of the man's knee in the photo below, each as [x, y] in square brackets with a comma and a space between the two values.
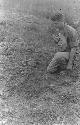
[59, 62]
[61, 55]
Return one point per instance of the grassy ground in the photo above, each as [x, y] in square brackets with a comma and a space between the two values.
[26, 96]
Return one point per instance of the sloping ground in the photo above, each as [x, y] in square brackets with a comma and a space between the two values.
[30, 96]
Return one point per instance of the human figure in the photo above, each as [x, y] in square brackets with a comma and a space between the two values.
[68, 43]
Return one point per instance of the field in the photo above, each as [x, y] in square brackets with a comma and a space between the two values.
[28, 95]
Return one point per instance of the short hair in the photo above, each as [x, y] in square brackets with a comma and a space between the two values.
[57, 17]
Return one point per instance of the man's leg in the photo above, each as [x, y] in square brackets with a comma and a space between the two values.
[72, 53]
[59, 62]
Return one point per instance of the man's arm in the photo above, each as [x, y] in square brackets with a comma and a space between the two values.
[72, 53]
[74, 45]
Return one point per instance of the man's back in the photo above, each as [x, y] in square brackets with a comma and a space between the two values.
[71, 35]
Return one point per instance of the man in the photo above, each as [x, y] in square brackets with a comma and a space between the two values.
[68, 43]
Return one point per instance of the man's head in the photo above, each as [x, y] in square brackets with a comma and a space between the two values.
[58, 17]
[59, 20]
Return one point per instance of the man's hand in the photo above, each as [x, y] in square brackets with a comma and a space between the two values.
[72, 53]
[69, 66]
[56, 38]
